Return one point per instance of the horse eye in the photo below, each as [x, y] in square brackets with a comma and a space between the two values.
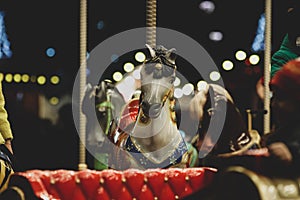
[149, 68]
[101, 109]
[167, 71]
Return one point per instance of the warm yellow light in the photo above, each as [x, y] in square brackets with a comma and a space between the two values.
[1, 76]
[202, 85]
[140, 57]
[33, 78]
[25, 78]
[54, 100]
[240, 55]
[128, 67]
[17, 78]
[41, 80]
[227, 65]
[8, 78]
[117, 76]
[54, 79]
[214, 76]
[254, 59]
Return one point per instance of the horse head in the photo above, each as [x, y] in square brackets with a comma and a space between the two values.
[157, 78]
[233, 137]
[108, 102]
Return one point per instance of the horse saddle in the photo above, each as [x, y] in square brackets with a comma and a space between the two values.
[6, 169]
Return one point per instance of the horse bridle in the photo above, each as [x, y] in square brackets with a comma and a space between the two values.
[209, 109]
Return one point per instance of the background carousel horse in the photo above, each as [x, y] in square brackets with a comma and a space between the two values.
[147, 135]
[108, 103]
[234, 139]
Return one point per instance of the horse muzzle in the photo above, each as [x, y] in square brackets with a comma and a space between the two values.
[151, 110]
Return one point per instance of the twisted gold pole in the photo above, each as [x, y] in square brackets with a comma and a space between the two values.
[83, 49]
[267, 65]
[151, 23]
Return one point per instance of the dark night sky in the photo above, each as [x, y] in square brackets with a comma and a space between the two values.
[33, 26]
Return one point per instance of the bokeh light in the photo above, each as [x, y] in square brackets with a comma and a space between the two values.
[100, 25]
[41, 80]
[117, 76]
[177, 82]
[8, 77]
[207, 6]
[240, 55]
[50, 52]
[227, 65]
[201, 85]
[178, 93]
[214, 76]
[215, 36]
[17, 78]
[140, 57]
[187, 89]
[254, 59]
[128, 67]
[54, 79]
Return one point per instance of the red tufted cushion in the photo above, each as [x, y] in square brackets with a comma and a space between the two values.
[168, 184]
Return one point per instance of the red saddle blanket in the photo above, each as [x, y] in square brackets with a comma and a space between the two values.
[168, 184]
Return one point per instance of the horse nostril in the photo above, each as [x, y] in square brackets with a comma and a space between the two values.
[155, 106]
[154, 110]
[151, 110]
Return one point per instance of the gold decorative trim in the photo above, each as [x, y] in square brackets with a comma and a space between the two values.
[77, 180]
[262, 183]
[145, 180]
[19, 191]
[102, 181]
[255, 139]
[123, 180]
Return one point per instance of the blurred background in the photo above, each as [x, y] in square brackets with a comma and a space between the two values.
[39, 46]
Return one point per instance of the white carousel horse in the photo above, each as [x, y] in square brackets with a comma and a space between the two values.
[147, 134]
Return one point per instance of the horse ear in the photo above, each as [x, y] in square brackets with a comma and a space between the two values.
[151, 50]
[171, 55]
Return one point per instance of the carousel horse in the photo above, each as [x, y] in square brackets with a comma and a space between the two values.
[234, 138]
[108, 103]
[147, 135]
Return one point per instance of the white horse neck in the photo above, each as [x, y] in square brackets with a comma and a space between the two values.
[158, 133]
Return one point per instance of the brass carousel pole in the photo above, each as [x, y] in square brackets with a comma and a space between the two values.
[83, 63]
[267, 65]
[151, 23]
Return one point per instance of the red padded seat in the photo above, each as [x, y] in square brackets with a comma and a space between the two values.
[160, 184]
